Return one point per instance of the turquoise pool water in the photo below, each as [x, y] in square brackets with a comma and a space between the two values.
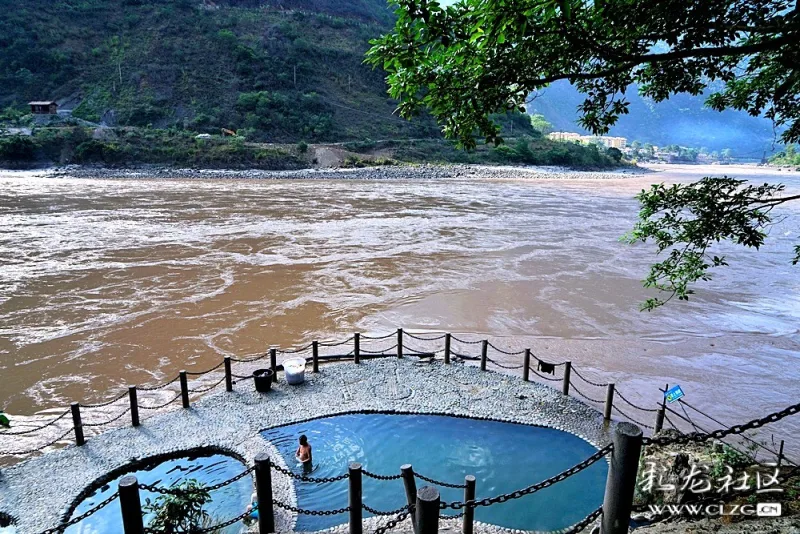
[227, 502]
[502, 456]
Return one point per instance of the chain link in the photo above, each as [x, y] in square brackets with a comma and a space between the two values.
[63, 526]
[596, 384]
[474, 503]
[32, 430]
[628, 417]
[180, 491]
[412, 336]
[336, 343]
[373, 511]
[373, 338]
[394, 522]
[465, 342]
[417, 352]
[249, 360]
[154, 388]
[465, 356]
[576, 390]
[719, 434]
[621, 396]
[117, 418]
[104, 404]
[502, 351]
[393, 347]
[295, 351]
[324, 480]
[440, 483]
[39, 448]
[581, 525]
[209, 388]
[159, 406]
[504, 366]
[380, 477]
[205, 530]
[537, 373]
[201, 373]
[310, 512]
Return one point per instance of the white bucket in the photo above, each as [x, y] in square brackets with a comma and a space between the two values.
[295, 369]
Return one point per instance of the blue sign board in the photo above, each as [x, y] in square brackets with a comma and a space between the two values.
[673, 394]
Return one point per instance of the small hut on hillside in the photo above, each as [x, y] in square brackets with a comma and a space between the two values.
[43, 108]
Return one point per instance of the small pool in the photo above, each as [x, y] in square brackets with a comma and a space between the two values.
[502, 456]
[227, 502]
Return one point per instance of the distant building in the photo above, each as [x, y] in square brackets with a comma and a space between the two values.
[607, 141]
[564, 136]
[613, 142]
[43, 108]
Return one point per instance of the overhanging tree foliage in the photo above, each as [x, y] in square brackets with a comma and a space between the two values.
[467, 60]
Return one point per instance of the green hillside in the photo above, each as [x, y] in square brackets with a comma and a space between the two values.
[280, 70]
[284, 74]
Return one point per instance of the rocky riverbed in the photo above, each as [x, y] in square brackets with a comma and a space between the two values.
[398, 172]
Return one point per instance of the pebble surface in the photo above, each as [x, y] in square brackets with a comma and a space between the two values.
[40, 492]
[399, 172]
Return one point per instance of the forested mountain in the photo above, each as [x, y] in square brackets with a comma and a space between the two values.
[681, 120]
[278, 70]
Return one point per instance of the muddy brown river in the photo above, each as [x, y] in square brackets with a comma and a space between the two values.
[107, 282]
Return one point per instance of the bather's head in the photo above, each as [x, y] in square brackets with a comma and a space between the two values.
[303, 440]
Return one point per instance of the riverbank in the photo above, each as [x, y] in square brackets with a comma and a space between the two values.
[131, 147]
[399, 172]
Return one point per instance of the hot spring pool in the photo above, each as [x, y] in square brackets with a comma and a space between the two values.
[227, 502]
[502, 456]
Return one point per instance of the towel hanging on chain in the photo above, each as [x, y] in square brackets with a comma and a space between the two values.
[547, 368]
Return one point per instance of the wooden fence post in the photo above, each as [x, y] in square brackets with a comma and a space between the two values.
[659, 419]
[447, 348]
[184, 388]
[77, 424]
[410, 484]
[228, 374]
[609, 402]
[526, 369]
[621, 481]
[428, 510]
[266, 511]
[780, 454]
[662, 412]
[315, 356]
[469, 512]
[134, 405]
[273, 363]
[484, 354]
[567, 377]
[131, 505]
[355, 498]
[357, 348]
[399, 342]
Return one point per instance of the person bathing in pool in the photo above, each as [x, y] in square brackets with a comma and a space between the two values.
[303, 454]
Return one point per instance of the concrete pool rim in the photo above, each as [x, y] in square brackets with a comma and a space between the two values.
[233, 423]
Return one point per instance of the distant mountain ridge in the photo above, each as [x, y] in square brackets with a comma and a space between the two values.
[681, 120]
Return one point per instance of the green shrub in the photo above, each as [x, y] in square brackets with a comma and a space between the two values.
[17, 148]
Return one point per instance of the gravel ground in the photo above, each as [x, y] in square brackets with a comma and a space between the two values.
[40, 492]
[399, 172]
